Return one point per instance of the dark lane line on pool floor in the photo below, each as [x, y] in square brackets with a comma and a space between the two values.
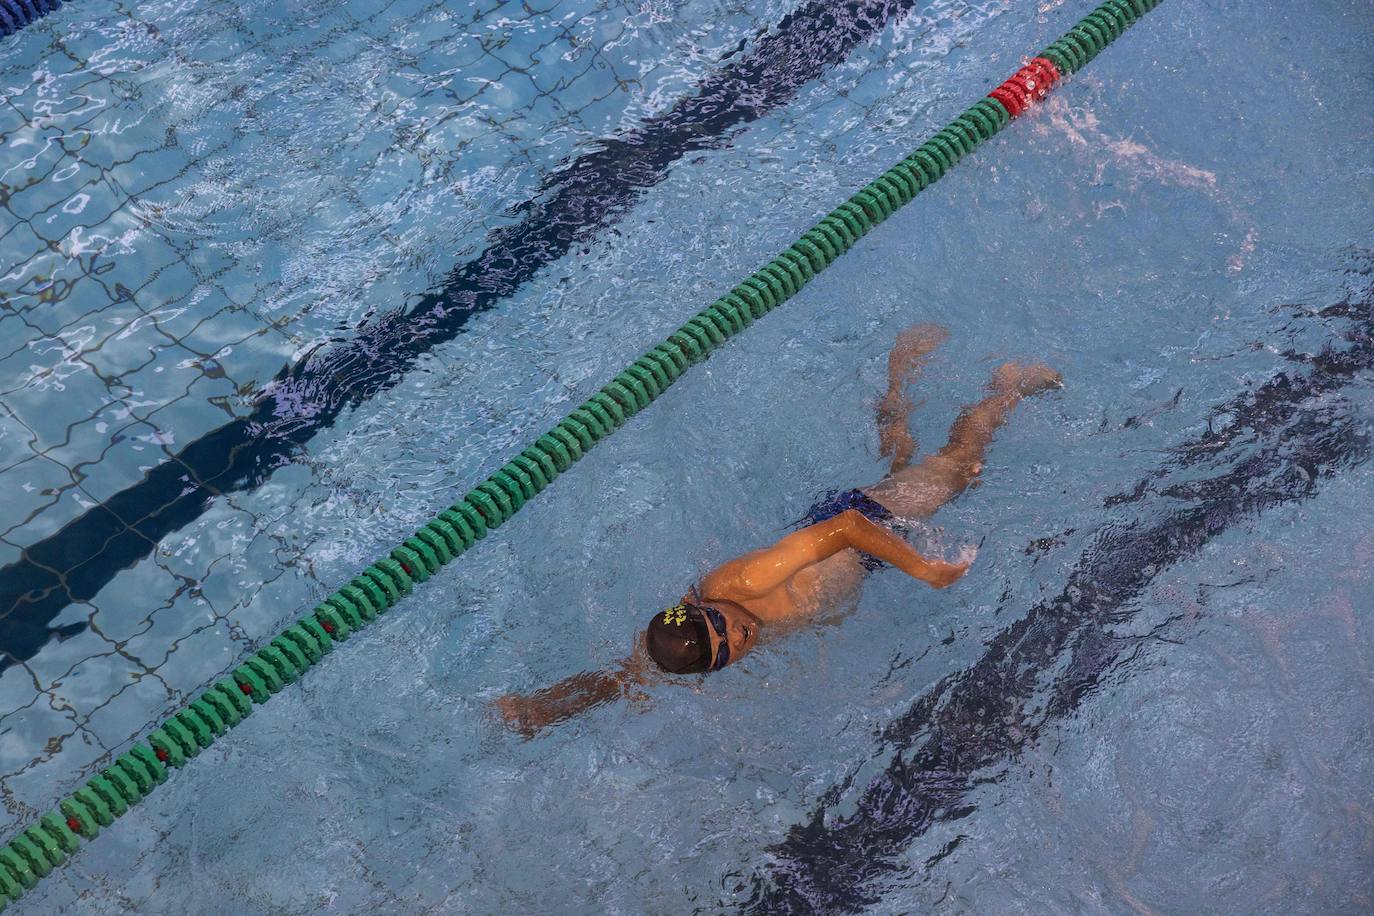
[76, 562]
[1281, 438]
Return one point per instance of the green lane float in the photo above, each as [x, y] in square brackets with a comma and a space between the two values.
[45, 845]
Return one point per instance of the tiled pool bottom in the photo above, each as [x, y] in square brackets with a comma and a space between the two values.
[208, 194]
[1146, 262]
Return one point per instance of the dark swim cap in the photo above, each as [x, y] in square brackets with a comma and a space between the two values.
[679, 643]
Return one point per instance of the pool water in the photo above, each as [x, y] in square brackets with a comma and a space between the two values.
[1152, 691]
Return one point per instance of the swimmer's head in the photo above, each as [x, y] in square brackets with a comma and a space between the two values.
[692, 638]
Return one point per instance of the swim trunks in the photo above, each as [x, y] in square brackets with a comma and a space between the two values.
[834, 502]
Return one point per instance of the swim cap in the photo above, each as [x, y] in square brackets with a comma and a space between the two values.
[679, 642]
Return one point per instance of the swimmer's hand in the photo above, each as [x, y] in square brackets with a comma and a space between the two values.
[941, 574]
[757, 573]
[516, 714]
[880, 542]
[528, 715]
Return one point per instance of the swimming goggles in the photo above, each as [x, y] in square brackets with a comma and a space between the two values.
[716, 620]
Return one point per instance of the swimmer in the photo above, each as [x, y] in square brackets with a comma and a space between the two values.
[818, 567]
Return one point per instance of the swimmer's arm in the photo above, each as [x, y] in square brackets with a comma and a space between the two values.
[528, 714]
[758, 573]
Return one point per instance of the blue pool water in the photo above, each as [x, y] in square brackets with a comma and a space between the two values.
[1152, 691]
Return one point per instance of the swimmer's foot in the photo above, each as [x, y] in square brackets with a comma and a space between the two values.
[911, 349]
[903, 366]
[1024, 381]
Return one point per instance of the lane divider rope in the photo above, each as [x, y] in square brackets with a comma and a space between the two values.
[45, 845]
[15, 14]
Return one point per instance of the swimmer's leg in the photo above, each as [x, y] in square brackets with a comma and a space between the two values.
[918, 491]
[904, 365]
